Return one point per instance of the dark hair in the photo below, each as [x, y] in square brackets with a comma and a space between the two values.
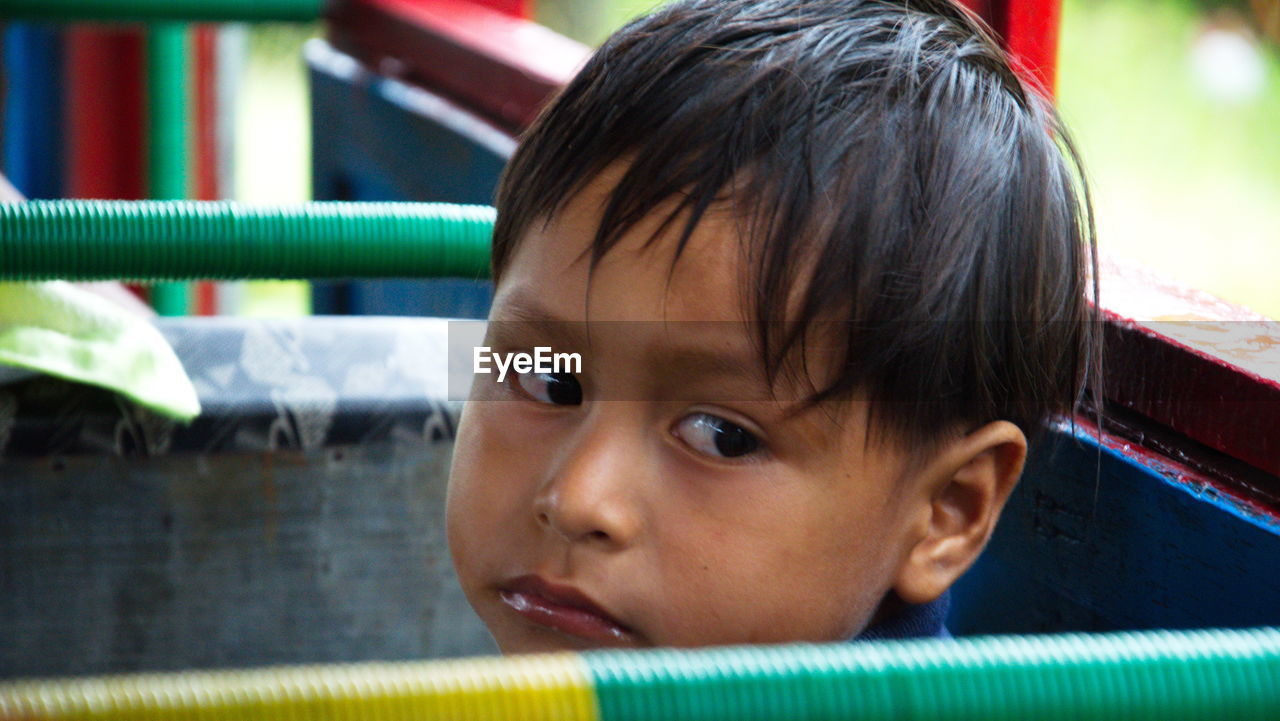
[893, 171]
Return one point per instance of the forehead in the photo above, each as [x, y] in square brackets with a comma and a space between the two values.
[640, 278]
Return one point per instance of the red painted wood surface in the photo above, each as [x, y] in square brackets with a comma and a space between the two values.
[1248, 492]
[1201, 366]
[501, 67]
[105, 105]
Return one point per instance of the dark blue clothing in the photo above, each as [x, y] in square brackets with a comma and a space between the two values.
[925, 620]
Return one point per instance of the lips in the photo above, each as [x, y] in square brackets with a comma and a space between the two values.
[564, 609]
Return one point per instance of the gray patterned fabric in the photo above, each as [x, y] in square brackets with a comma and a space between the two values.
[297, 520]
[264, 386]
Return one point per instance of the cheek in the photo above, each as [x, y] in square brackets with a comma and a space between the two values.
[484, 484]
[779, 570]
[487, 449]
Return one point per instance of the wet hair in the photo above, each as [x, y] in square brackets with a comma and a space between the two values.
[893, 172]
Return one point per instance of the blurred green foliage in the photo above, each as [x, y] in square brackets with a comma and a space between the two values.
[1186, 183]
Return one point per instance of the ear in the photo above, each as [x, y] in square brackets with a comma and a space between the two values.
[965, 489]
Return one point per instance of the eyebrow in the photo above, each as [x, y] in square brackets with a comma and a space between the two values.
[713, 363]
[525, 306]
[522, 306]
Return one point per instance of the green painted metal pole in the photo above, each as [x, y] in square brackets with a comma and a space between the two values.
[177, 240]
[168, 157]
[158, 10]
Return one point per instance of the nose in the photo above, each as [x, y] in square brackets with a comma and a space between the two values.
[590, 494]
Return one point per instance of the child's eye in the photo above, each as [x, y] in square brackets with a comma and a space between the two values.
[561, 389]
[716, 436]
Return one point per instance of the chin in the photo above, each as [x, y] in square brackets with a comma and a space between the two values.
[535, 641]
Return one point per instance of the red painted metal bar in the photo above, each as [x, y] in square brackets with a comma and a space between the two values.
[205, 48]
[515, 8]
[1029, 30]
[501, 67]
[105, 114]
[106, 109]
[205, 51]
[1031, 37]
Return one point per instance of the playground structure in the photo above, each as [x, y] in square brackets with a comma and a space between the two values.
[273, 529]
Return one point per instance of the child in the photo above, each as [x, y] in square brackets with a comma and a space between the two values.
[834, 264]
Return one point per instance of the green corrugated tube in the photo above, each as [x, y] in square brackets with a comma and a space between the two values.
[188, 240]
[167, 152]
[153, 10]
[1151, 676]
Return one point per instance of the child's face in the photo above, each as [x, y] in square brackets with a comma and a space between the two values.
[622, 522]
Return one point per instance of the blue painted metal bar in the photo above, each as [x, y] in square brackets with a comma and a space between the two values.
[33, 156]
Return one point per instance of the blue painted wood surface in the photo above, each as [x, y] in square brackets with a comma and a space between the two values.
[1119, 539]
[379, 139]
